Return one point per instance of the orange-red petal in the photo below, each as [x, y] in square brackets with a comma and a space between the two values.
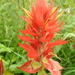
[32, 53]
[53, 66]
[27, 67]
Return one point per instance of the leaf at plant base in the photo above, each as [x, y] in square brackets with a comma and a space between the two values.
[8, 73]
[42, 72]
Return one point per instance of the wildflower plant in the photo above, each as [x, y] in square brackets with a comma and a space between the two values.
[1, 68]
[42, 24]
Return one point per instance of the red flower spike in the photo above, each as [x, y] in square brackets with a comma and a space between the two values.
[1, 68]
[42, 24]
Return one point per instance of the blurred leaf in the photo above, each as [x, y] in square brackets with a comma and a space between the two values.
[13, 67]
[4, 48]
[57, 49]
[69, 35]
[42, 72]
[8, 73]
[3, 6]
[70, 72]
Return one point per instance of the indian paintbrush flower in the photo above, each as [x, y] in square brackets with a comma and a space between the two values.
[1, 68]
[42, 24]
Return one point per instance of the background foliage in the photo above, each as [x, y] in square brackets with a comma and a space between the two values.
[10, 24]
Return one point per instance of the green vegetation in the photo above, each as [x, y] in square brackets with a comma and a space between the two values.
[10, 24]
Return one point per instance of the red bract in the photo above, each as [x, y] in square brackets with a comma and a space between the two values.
[42, 24]
[1, 68]
[53, 66]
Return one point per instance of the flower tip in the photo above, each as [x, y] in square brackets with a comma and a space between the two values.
[17, 35]
[60, 14]
[18, 43]
[27, 12]
[65, 42]
[21, 16]
[22, 8]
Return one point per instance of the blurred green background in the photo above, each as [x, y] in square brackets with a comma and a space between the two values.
[10, 24]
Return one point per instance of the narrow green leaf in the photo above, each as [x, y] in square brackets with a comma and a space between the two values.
[69, 72]
[4, 48]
